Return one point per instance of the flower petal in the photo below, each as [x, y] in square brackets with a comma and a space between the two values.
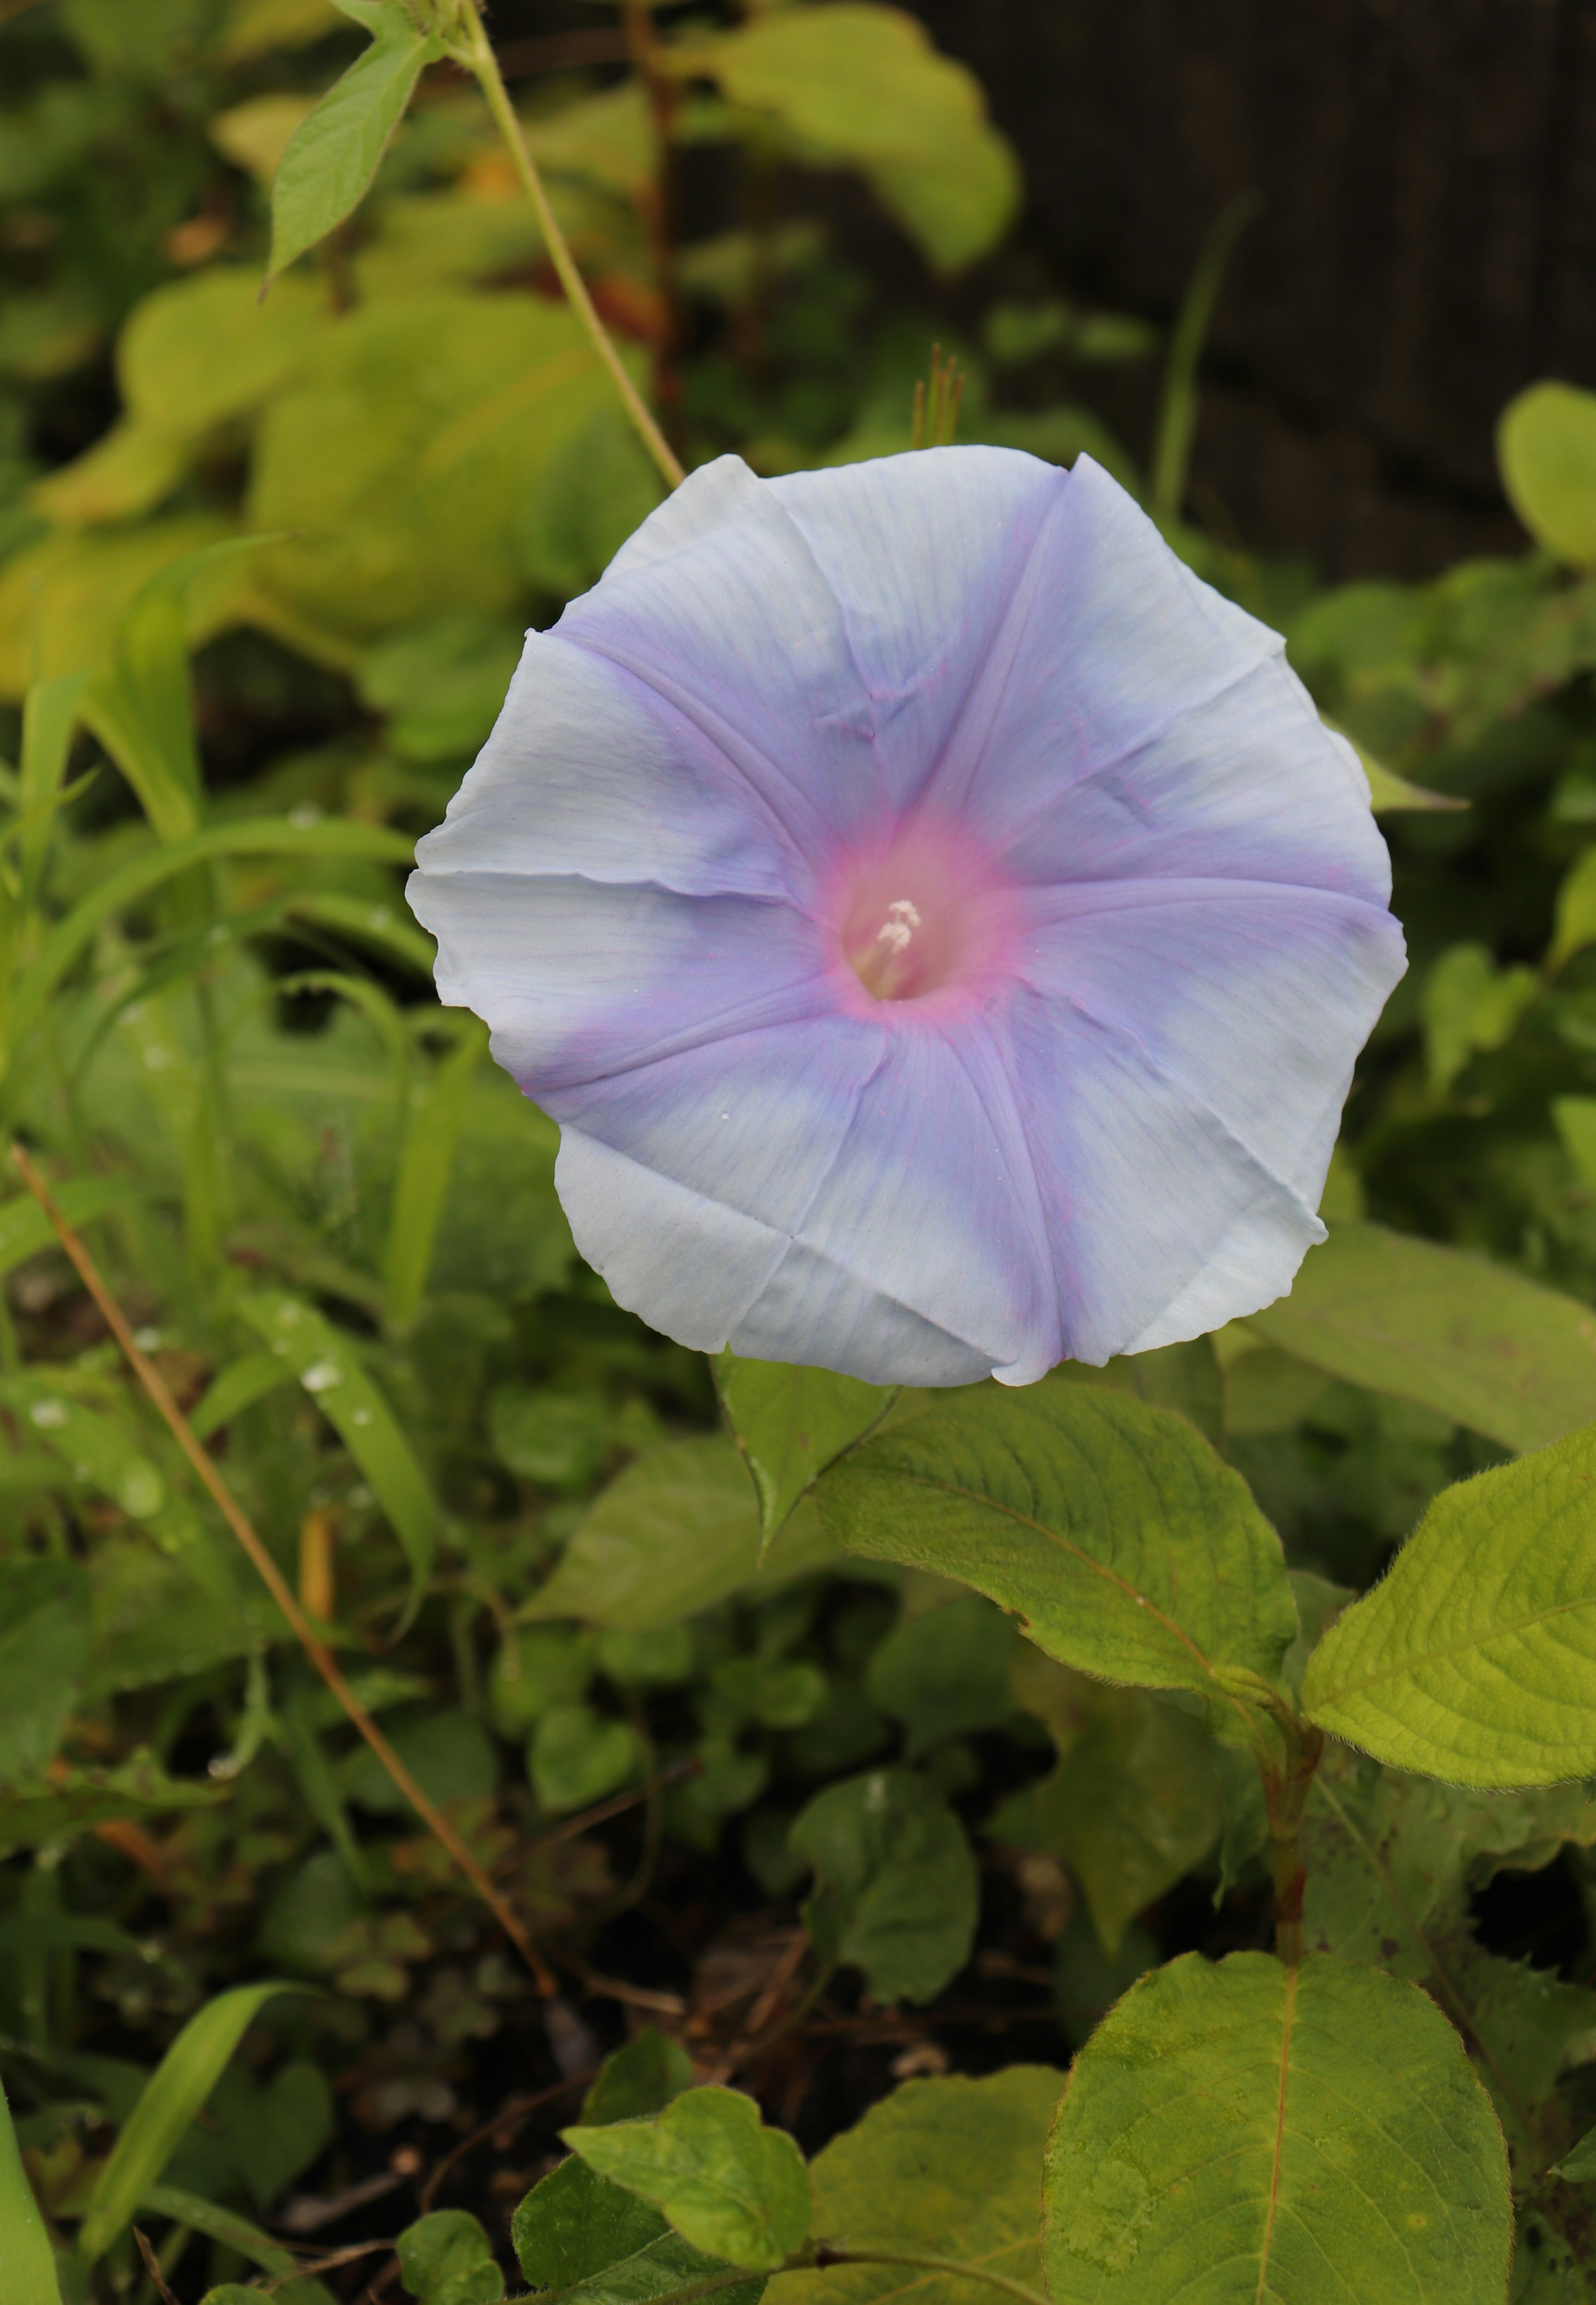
[1132, 719]
[575, 979]
[1252, 1001]
[586, 770]
[1163, 1222]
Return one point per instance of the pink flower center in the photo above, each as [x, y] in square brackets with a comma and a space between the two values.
[923, 908]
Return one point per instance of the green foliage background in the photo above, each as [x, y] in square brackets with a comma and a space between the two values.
[264, 570]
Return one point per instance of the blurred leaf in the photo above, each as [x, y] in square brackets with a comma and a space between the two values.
[49, 721]
[1470, 1004]
[332, 156]
[437, 1110]
[255, 134]
[25, 1230]
[1122, 1543]
[862, 85]
[676, 1532]
[272, 2130]
[1580, 2165]
[661, 1659]
[1546, 447]
[1133, 1807]
[641, 2078]
[945, 1673]
[27, 2260]
[581, 507]
[535, 1668]
[446, 2258]
[1576, 911]
[729, 2185]
[235, 2233]
[791, 1422]
[577, 1757]
[174, 2093]
[256, 27]
[44, 1644]
[955, 2163]
[401, 455]
[63, 600]
[1474, 1342]
[74, 1800]
[1190, 2145]
[449, 1755]
[895, 1890]
[442, 684]
[558, 1438]
[1471, 1660]
[238, 1387]
[608, 136]
[1388, 791]
[326, 1363]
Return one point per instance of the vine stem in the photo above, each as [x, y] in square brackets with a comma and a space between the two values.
[478, 59]
[272, 1577]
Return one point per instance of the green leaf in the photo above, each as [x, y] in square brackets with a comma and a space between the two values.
[332, 155]
[1186, 1378]
[1579, 2166]
[729, 2185]
[952, 2165]
[559, 1439]
[791, 1423]
[862, 85]
[325, 1361]
[641, 2078]
[1388, 791]
[577, 2233]
[102, 1453]
[1575, 920]
[574, 2224]
[535, 1668]
[1311, 2134]
[252, 836]
[576, 1757]
[1111, 1529]
[1472, 1659]
[75, 1801]
[173, 2094]
[437, 1112]
[442, 684]
[677, 1531]
[44, 1646]
[239, 1387]
[1393, 1861]
[27, 2260]
[1479, 1344]
[449, 1754]
[895, 1887]
[446, 2259]
[1469, 1004]
[49, 718]
[25, 1230]
[1133, 1807]
[945, 1673]
[1546, 447]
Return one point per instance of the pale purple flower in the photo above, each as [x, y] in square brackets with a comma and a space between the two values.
[941, 926]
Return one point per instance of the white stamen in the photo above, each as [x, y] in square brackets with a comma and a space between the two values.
[903, 918]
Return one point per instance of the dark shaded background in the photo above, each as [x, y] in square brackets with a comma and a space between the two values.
[1426, 247]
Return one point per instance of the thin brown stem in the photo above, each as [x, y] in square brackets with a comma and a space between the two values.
[152, 2265]
[478, 57]
[275, 1582]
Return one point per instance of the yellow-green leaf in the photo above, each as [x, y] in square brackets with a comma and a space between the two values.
[1546, 446]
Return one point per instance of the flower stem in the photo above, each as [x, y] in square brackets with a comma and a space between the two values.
[478, 59]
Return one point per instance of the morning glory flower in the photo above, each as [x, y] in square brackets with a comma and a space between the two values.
[940, 925]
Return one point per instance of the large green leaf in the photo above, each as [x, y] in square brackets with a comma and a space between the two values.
[729, 2185]
[1482, 1345]
[676, 1532]
[791, 1422]
[1249, 2130]
[44, 1646]
[862, 85]
[332, 156]
[173, 2094]
[1111, 1528]
[953, 2167]
[27, 2261]
[446, 2258]
[895, 1888]
[1473, 1659]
